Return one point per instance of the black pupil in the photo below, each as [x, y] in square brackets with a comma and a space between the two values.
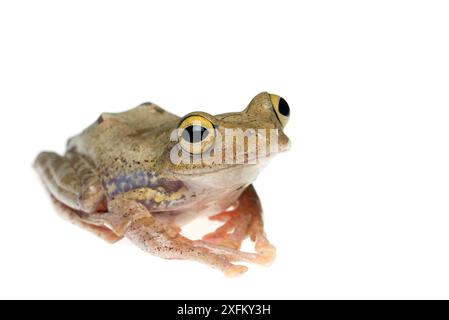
[194, 134]
[284, 109]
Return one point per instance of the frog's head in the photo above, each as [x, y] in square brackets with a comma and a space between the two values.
[230, 148]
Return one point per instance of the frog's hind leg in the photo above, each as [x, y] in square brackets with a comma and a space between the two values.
[244, 220]
[76, 218]
[71, 179]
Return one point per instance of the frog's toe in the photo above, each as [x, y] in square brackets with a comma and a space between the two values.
[223, 240]
[223, 216]
[266, 254]
[232, 233]
[221, 233]
[231, 243]
[235, 270]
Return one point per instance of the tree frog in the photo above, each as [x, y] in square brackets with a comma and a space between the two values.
[141, 174]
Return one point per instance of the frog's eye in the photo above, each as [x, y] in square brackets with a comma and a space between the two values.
[281, 109]
[196, 134]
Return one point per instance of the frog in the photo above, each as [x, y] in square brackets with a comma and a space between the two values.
[139, 175]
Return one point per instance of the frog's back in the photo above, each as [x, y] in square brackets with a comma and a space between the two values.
[147, 116]
[128, 138]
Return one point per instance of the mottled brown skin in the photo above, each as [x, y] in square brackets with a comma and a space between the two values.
[116, 180]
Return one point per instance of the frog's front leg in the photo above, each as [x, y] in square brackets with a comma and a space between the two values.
[243, 220]
[138, 225]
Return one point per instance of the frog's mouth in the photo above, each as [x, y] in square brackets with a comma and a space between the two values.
[234, 167]
[200, 172]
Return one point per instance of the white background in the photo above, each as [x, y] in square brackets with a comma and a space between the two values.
[357, 209]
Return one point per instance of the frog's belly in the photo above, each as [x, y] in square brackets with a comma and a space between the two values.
[206, 206]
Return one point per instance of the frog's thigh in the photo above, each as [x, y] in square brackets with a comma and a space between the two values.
[71, 180]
